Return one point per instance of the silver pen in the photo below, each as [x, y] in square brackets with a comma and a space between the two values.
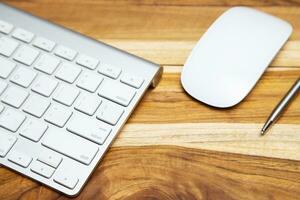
[281, 106]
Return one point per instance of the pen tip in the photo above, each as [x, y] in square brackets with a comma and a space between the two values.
[262, 132]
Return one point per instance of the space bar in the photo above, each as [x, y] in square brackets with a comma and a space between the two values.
[70, 145]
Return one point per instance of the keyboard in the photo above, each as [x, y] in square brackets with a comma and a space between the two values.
[63, 99]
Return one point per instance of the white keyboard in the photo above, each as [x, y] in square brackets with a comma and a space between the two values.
[63, 99]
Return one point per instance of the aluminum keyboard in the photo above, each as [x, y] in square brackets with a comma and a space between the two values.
[62, 105]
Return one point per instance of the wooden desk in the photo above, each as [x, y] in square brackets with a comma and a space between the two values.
[159, 154]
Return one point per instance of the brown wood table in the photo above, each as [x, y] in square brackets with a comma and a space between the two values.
[172, 146]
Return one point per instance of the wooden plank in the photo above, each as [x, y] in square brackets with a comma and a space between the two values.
[169, 172]
[193, 3]
[169, 52]
[113, 20]
[168, 103]
[282, 141]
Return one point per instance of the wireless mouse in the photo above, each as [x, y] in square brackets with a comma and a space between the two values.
[232, 55]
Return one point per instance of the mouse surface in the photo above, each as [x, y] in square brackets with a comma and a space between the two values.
[232, 55]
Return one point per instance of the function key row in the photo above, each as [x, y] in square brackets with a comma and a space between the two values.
[67, 72]
[48, 64]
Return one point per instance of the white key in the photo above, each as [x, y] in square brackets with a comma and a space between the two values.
[58, 115]
[6, 67]
[110, 113]
[7, 46]
[66, 179]
[66, 95]
[69, 145]
[6, 142]
[87, 61]
[110, 71]
[44, 85]
[33, 130]
[23, 76]
[47, 64]
[116, 92]
[19, 158]
[23, 35]
[26, 55]
[14, 96]
[50, 159]
[89, 81]
[5, 27]
[68, 72]
[132, 81]
[88, 104]
[3, 86]
[42, 169]
[89, 128]
[65, 52]
[44, 44]
[36, 105]
[11, 119]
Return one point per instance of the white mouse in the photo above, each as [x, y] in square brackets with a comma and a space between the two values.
[232, 55]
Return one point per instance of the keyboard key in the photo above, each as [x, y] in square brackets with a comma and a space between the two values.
[69, 145]
[11, 119]
[23, 77]
[19, 158]
[6, 67]
[110, 71]
[44, 44]
[33, 130]
[66, 95]
[50, 158]
[116, 92]
[110, 113]
[87, 104]
[58, 115]
[6, 142]
[47, 64]
[3, 86]
[42, 169]
[89, 128]
[89, 81]
[36, 105]
[65, 52]
[66, 179]
[87, 61]
[14, 96]
[132, 81]
[26, 55]
[68, 72]
[44, 86]
[23, 35]
[7, 46]
[5, 27]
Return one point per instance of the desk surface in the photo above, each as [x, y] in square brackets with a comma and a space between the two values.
[160, 153]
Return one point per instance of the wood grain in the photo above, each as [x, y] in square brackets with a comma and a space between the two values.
[239, 138]
[119, 20]
[160, 152]
[170, 52]
[168, 103]
[169, 173]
